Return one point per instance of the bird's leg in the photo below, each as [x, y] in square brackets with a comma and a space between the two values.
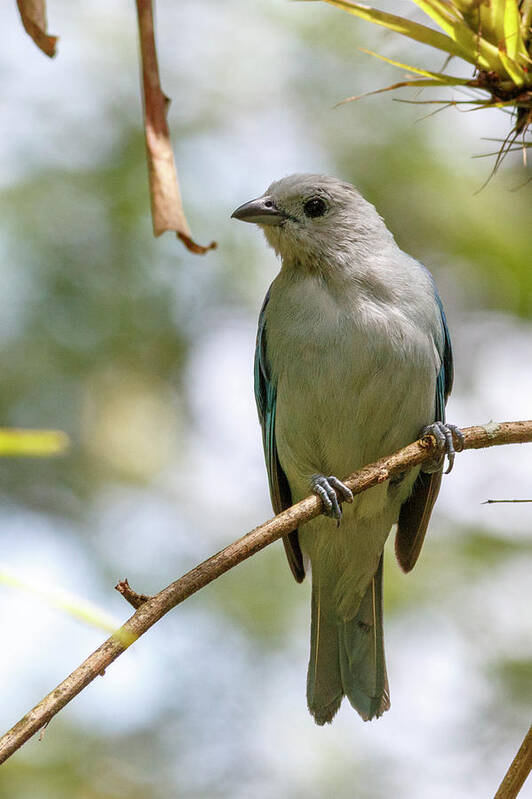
[448, 436]
[331, 491]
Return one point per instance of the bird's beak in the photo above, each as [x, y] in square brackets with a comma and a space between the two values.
[261, 211]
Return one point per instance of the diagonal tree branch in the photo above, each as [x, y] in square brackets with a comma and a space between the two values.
[155, 607]
[519, 770]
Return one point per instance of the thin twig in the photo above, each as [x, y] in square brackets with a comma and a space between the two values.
[135, 600]
[519, 770]
[166, 206]
[493, 501]
[154, 608]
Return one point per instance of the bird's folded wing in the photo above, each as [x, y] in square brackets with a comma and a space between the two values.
[415, 512]
[266, 399]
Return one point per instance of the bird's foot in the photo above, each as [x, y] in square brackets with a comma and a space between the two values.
[449, 440]
[331, 491]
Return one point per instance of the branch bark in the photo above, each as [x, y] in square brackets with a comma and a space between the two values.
[519, 770]
[154, 608]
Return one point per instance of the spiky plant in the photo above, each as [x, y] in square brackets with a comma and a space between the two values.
[495, 36]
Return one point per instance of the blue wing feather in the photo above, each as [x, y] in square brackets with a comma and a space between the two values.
[266, 399]
[415, 512]
[444, 382]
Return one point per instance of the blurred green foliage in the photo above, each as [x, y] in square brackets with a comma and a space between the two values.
[98, 337]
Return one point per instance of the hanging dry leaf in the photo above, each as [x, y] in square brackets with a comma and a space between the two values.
[33, 15]
[166, 206]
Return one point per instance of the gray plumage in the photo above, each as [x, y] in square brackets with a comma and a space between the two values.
[353, 361]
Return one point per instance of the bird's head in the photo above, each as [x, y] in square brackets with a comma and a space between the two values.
[314, 219]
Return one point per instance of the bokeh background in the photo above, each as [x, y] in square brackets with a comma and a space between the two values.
[143, 353]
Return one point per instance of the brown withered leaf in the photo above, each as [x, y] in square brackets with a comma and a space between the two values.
[33, 15]
[166, 205]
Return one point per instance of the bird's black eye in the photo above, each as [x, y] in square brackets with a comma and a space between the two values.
[315, 207]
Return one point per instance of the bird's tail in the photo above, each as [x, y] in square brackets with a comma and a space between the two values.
[347, 656]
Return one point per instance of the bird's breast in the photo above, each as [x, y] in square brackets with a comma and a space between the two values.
[355, 380]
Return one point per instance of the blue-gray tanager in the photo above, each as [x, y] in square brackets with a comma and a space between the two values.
[353, 361]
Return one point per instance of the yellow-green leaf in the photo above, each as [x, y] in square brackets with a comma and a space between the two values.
[422, 82]
[499, 22]
[526, 19]
[477, 50]
[513, 69]
[406, 27]
[513, 38]
[33, 443]
[458, 39]
[440, 77]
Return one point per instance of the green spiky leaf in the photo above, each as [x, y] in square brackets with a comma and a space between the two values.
[513, 34]
[416, 83]
[439, 77]
[406, 27]
[493, 35]
[487, 35]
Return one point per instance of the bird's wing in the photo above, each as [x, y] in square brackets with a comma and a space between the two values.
[266, 399]
[415, 512]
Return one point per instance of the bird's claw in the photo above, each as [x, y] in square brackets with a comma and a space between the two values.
[330, 490]
[449, 440]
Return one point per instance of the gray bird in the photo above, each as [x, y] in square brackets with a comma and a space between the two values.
[353, 362]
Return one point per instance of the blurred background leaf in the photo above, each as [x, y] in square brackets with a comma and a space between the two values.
[67, 602]
[36, 443]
